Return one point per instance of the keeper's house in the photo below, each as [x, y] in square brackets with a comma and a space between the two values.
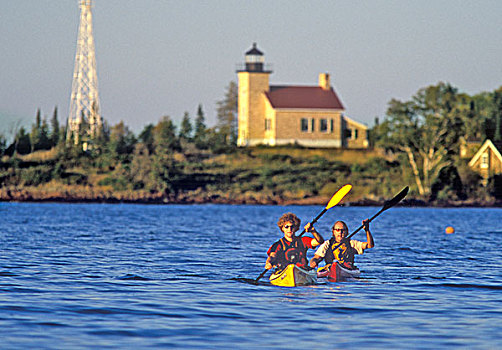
[311, 116]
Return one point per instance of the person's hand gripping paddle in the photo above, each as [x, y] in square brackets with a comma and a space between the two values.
[387, 204]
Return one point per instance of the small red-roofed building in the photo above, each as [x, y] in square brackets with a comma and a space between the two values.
[310, 116]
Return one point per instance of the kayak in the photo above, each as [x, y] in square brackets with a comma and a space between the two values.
[337, 273]
[293, 276]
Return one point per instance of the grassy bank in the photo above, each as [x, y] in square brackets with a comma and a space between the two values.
[264, 175]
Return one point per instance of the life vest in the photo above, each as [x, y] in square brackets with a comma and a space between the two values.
[294, 253]
[344, 254]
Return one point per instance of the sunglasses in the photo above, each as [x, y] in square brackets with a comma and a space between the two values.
[288, 226]
[338, 229]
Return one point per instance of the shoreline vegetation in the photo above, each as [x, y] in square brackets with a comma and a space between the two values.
[418, 144]
[81, 197]
[257, 176]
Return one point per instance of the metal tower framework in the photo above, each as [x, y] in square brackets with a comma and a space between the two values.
[84, 101]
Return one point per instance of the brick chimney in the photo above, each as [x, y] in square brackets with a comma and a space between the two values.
[324, 81]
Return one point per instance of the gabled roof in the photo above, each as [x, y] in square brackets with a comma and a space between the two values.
[352, 121]
[496, 148]
[303, 97]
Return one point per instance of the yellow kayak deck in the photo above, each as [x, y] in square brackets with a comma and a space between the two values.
[293, 276]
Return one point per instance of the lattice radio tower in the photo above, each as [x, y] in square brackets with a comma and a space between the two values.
[84, 103]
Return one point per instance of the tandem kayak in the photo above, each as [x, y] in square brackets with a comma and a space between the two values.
[337, 273]
[293, 276]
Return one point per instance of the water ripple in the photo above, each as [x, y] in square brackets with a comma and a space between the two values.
[119, 276]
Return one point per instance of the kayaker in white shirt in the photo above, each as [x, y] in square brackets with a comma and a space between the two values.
[345, 250]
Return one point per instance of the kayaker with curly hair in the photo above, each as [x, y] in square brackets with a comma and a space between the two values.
[291, 249]
[340, 249]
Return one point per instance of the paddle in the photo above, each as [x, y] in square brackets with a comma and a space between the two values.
[337, 197]
[387, 204]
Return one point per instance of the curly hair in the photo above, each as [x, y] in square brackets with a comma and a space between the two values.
[291, 218]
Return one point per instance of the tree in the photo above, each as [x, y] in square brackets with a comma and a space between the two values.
[164, 168]
[141, 168]
[164, 137]
[186, 128]
[22, 143]
[146, 136]
[55, 132]
[483, 113]
[426, 130]
[35, 131]
[3, 145]
[497, 114]
[44, 138]
[200, 134]
[122, 140]
[227, 114]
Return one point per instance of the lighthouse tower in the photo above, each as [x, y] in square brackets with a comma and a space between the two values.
[253, 83]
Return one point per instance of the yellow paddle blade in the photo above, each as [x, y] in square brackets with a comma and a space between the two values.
[338, 196]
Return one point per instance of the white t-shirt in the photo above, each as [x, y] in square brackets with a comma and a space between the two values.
[323, 248]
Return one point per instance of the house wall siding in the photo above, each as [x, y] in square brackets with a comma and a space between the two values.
[260, 123]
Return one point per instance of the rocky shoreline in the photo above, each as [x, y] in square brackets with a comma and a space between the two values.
[90, 195]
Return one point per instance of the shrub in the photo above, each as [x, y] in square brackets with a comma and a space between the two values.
[34, 176]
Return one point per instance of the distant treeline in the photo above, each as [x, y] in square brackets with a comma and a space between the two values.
[416, 144]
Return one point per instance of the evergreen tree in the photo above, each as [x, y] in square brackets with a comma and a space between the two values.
[35, 131]
[497, 114]
[200, 135]
[186, 128]
[102, 138]
[164, 168]
[22, 143]
[146, 136]
[141, 168]
[483, 105]
[472, 126]
[122, 140]
[3, 145]
[44, 141]
[164, 136]
[55, 130]
[227, 114]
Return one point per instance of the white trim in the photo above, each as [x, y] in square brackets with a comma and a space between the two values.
[488, 143]
[307, 110]
[352, 121]
[304, 142]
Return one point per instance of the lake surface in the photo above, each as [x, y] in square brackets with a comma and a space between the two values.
[80, 276]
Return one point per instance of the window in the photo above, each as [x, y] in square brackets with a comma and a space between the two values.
[324, 125]
[331, 128]
[355, 134]
[305, 125]
[268, 124]
[484, 160]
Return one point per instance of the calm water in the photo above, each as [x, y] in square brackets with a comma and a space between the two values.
[138, 276]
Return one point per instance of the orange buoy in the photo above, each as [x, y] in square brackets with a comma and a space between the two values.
[450, 230]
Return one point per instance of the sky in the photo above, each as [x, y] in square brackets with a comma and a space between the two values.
[160, 58]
